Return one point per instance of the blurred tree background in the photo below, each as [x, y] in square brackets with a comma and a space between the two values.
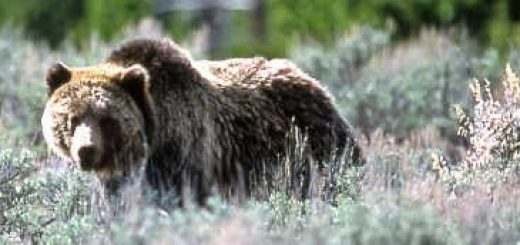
[266, 27]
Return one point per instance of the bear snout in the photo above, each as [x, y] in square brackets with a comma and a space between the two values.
[87, 145]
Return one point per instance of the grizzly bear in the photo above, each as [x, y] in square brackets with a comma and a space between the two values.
[205, 125]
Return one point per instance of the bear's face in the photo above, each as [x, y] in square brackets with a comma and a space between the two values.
[95, 117]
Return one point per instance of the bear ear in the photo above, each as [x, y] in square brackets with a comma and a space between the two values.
[57, 75]
[134, 79]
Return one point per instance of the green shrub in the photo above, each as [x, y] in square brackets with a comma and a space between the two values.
[41, 205]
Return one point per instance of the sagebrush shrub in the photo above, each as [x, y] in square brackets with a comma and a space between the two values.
[398, 88]
[340, 65]
[39, 205]
[493, 129]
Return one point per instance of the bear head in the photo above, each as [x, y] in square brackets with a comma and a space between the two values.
[100, 118]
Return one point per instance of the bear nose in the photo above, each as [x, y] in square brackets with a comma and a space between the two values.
[87, 156]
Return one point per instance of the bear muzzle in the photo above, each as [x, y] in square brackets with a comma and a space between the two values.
[87, 145]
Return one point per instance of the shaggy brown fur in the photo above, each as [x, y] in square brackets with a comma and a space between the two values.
[203, 124]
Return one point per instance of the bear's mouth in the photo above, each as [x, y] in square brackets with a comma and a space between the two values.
[88, 166]
[101, 165]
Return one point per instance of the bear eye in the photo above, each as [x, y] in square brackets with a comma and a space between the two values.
[74, 121]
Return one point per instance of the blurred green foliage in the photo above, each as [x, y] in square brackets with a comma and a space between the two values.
[107, 18]
[54, 20]
[496, 23]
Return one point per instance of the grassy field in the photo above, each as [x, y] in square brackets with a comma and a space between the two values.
[441, 143]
